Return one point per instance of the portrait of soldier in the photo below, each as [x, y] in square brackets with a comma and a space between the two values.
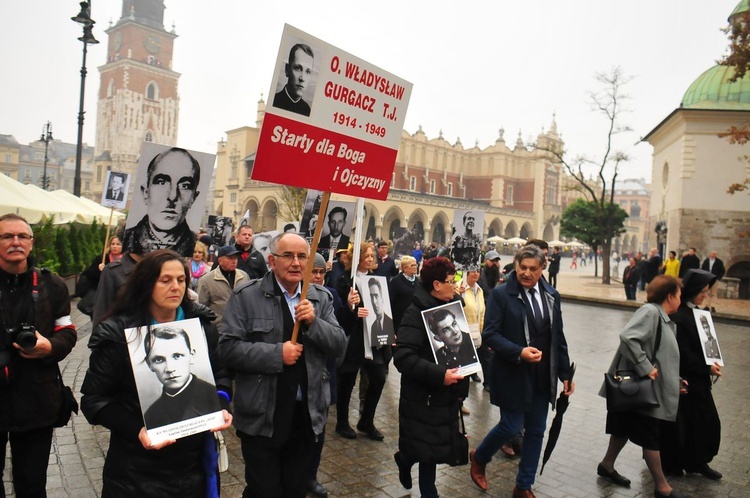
[711, 346]
[467, 243]
[381, 329]
[457, 349]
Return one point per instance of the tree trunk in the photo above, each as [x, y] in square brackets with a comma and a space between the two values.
[606, 251]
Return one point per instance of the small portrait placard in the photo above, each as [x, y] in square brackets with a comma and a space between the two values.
[708, 337]
[380, 320]
[448, 334]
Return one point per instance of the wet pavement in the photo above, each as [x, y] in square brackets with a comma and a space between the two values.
[363, 467]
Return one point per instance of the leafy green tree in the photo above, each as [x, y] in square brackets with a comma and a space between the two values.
[591, 223]
[77, 248]
[44, 246]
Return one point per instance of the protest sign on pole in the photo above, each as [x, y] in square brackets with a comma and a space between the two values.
[334, 122]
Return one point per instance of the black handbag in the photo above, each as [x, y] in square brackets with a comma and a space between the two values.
[68, 403]
[626, 391]
[459, 443]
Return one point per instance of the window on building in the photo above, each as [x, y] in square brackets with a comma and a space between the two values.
[551, 192]
[509, 195]
[111, 88]
[450, 189]
[233, 174]
[99, 174]
[149, 137]
[233, 197]
[152, 91]
[393, 180]
[39, 155]
[87, 186]
[8, 158]
[432, 186]
[412, 183]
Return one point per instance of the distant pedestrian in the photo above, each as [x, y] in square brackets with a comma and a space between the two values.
[653, 265]
[554, 265]
[630, 278]
[715, 266]
[574, 263]
[671, 266]
[690, 261]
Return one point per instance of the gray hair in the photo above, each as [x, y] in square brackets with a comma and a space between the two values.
[530, 251]
[275, 241]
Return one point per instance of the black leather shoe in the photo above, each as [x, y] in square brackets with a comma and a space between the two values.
[404, 470]
[371, 432]
[345, 431]
[673, 494]
[475, 378]
[316, 489]
[613, 476]
[712, 474]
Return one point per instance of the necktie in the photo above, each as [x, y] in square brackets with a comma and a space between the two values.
[538, 317]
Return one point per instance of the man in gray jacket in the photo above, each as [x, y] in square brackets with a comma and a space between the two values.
[215, 287]
[282, 392]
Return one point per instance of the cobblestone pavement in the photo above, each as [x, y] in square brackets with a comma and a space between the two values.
[365, 468]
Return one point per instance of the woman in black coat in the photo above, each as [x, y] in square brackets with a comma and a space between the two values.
[431, 394]
[696, 435]
[401, 289]
[89, 279]
[351, 318]
[154, 293]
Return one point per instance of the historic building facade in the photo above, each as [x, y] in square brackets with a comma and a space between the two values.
[138, 92]
[693, 167]
[518, 188]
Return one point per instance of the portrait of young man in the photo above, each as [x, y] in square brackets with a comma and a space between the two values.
[299, 81]
[380, 321]
[338, 226]
[116, 193]
[171, 194]
[454, 347]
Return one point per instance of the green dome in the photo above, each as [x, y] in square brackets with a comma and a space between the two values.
[712, 90]
[743, 6]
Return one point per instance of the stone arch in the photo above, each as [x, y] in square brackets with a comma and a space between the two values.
[268, 216]
[511, 229]
[372, 221]
[495, 228]
[526, 231]
[549, 232]
[394, 218]
[152, 91]
[219, 209]
[739, 267]
[254, 208]
[438, 226]
[418, 222]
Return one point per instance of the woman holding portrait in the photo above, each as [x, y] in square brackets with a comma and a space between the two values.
[154, 293]
[648, 346]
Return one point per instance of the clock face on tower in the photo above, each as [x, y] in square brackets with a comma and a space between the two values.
[118, 41]
[152, 44]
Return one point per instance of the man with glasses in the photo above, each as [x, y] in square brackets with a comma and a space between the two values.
[281, 394]
[36, 332]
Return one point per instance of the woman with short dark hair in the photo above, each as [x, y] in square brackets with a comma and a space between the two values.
[431, 393]
[638, 352]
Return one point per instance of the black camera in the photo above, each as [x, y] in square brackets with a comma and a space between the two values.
[24, 335]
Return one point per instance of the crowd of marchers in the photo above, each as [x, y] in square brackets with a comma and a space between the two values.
[282, 350]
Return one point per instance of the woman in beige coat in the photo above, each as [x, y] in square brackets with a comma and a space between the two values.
[473, 297]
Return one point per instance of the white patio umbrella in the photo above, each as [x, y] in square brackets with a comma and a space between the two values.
[516, 240]
[496, 239]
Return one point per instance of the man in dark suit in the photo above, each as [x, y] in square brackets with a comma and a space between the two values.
[116, 190]
[381, 333]
[523, 326]
[715, 266]
[457, 350]
[335, 237]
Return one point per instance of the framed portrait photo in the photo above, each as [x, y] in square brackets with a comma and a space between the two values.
[450, 340]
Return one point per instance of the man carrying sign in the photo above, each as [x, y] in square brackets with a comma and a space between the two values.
[281, 398]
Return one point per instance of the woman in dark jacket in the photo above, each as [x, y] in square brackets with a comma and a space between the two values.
[696, 436]
[401, 289]
[431, 394]
[630, 278]
[374, 361]
[89, 279]
[154, 293]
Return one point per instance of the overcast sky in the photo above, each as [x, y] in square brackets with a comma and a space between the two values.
[475, 66]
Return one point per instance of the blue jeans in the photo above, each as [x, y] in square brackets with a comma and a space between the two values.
[511, 421]
[630, 291]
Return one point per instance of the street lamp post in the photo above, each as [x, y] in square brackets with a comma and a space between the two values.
[46, 138]
[83, 18]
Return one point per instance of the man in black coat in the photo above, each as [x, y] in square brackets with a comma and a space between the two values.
[386, 265]
[250, 260]
[653, 266]
[554, 265]
[690, 261]
[37, 333]
[716, 266]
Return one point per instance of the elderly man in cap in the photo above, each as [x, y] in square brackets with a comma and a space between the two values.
[215, 287]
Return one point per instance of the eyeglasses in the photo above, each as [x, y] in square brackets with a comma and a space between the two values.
[22, 237]
[318, 272]
[289, 256]
[449, 282]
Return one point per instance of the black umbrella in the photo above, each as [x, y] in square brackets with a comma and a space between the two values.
[561, 405]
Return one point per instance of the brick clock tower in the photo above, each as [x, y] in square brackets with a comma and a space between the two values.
[138, 99]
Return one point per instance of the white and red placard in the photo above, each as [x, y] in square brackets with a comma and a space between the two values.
[349, 141]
